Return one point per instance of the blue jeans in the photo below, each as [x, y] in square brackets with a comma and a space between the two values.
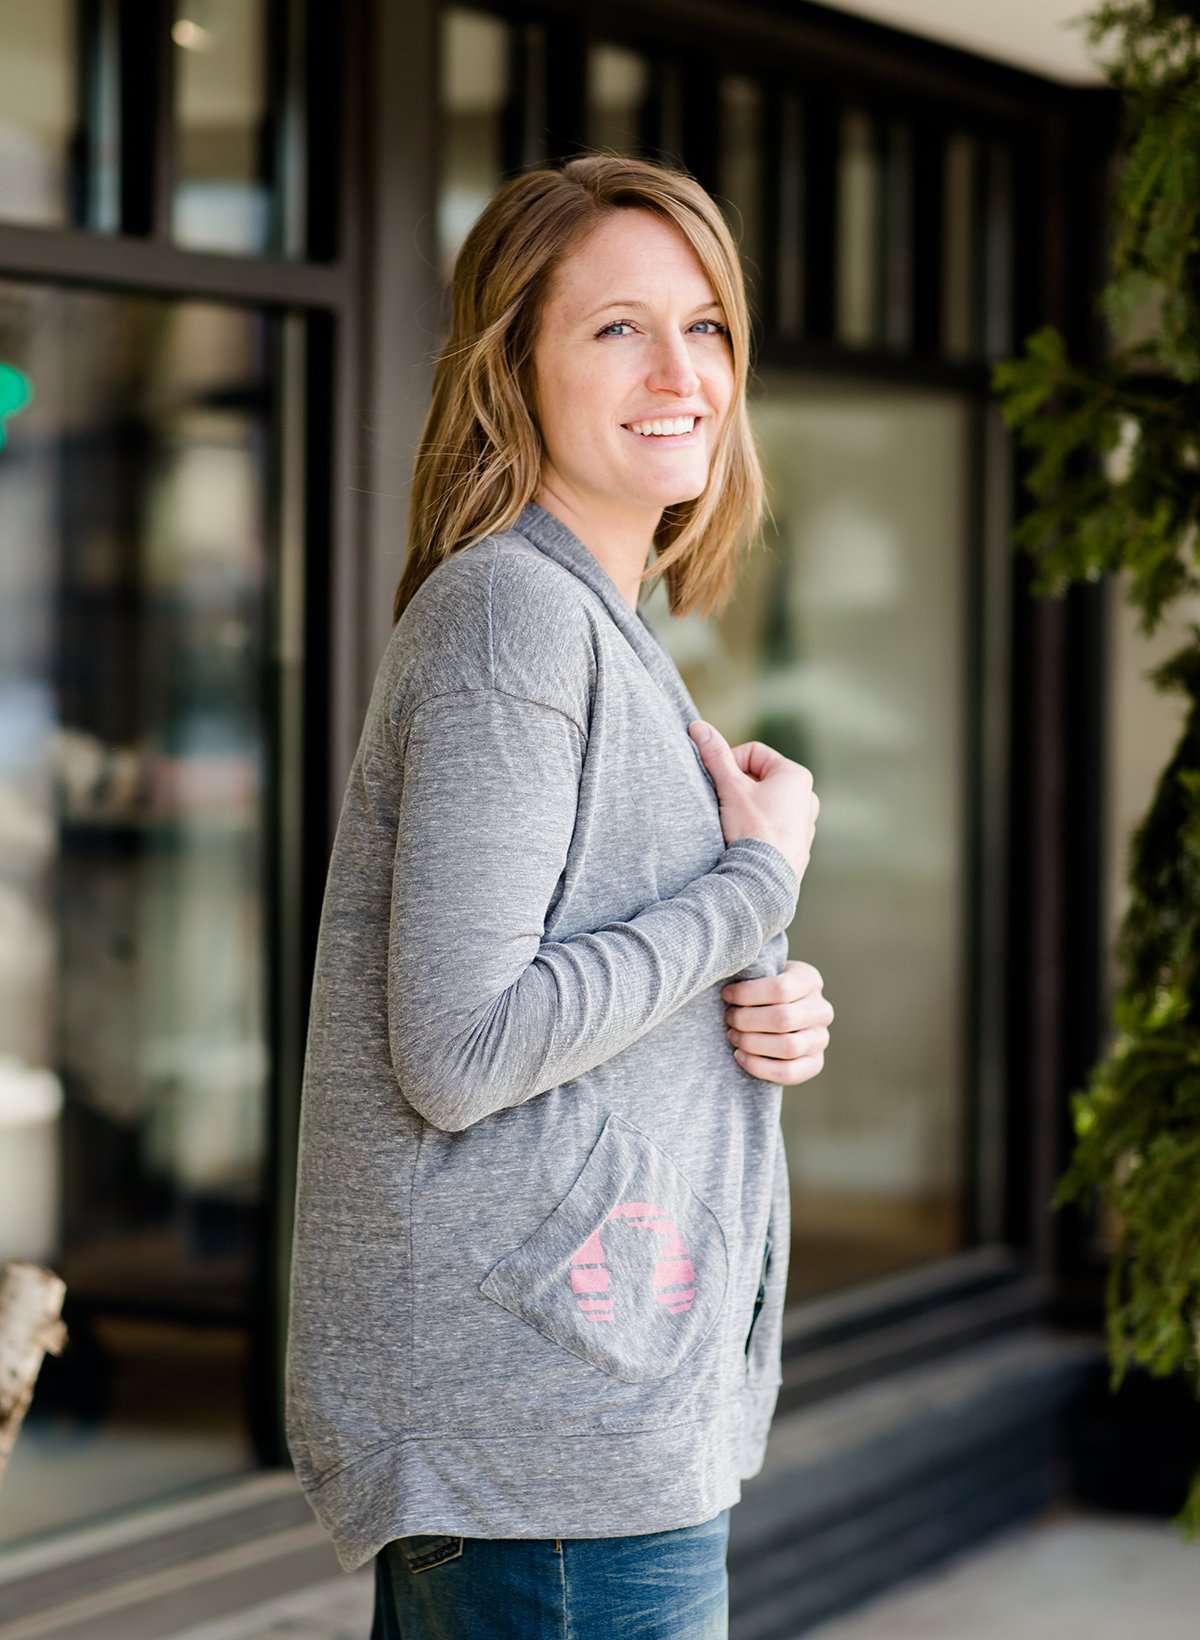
[652, 1586]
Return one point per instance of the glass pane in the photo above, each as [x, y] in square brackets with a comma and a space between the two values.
[790, 250]
[531, 104]
[897, 235]
[473, 95]
[740, 172]
[222, 195]
[134, 861]
[844, 649]
[959, 279]
[998, 230]
[618, 84]
[38, 111]
[858, 234]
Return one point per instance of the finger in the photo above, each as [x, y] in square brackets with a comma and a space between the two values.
[805, 978]
[794, 981]
[778, 1017]
[764, 988]
[755, 757]
[781, 1045]
[787, 1072]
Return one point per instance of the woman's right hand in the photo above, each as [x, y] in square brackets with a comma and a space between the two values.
[761, 793]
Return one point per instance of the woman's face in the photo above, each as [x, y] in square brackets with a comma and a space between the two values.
[631, 333]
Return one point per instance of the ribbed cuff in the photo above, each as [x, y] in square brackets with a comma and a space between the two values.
[767, 877]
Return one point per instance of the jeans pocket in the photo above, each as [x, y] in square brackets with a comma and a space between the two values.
[629, 1271]
[425, 1550]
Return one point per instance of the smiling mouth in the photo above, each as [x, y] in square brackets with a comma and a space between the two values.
[667, 438]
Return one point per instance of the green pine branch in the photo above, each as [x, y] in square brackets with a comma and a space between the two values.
[1115, 478]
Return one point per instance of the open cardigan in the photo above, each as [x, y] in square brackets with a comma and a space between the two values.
[541, 1224]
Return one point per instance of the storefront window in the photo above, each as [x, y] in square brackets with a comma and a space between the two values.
[135, 804]
[844, 649]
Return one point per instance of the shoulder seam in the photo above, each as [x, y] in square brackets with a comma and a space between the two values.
[508, 694]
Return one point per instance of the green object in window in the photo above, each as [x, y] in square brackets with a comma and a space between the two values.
[16, 391]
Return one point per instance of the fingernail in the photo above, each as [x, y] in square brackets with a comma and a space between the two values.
[701, 729]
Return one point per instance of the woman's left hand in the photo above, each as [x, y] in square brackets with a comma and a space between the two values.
[778, 1024]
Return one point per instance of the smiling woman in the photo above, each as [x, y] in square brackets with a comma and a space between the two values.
[540, 1247]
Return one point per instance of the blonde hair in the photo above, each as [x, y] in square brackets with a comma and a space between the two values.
[480, 456]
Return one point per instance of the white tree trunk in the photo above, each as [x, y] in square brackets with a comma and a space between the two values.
[30, 1324]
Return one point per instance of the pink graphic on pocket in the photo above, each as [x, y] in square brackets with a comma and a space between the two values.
[674, 1274]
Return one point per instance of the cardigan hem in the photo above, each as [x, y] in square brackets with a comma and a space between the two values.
[648, 1480]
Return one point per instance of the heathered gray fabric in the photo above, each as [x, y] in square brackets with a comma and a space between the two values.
[534, 1184]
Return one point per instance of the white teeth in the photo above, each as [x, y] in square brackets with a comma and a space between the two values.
[663, 429]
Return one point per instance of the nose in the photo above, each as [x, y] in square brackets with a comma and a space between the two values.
[673, 371]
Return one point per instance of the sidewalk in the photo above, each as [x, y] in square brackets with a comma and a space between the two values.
[1071, 1575]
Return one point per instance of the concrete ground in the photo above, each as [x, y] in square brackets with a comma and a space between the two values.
[1070, 1575]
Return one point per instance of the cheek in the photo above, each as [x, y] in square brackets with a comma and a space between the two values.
[720, 394]
[577, 402]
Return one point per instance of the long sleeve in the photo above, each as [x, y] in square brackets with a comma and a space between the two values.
[484, 1013]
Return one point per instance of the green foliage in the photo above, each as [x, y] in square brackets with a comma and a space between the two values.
[1116, 482]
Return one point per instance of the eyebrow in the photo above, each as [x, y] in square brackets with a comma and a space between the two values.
[632, 302]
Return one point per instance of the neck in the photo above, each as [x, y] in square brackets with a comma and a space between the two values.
[619, 539]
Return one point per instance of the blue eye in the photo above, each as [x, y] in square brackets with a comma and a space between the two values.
[720, 330]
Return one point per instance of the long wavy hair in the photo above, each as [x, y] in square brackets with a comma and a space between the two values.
[480, 456]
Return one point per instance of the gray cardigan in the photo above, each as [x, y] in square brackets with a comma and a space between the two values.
[541, 1222]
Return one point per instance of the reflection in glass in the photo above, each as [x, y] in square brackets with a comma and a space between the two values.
[222, 196]
[740, 171]
[473, 96]
[859, 252]
[618, 84]
[133, 864]
[844, 649]
[39, 48]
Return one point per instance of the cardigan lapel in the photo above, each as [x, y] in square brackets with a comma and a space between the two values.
[550, 535]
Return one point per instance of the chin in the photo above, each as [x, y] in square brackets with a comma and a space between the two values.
[690, 492]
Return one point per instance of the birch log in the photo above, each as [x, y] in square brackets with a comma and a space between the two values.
[30, 1324]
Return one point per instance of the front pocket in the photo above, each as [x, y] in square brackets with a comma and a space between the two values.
[760, 1296]
[630, 1269]
[425, 1550]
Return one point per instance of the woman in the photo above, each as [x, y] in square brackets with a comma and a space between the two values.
[541, 1228]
